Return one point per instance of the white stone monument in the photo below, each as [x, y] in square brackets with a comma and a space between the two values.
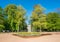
[29, 28]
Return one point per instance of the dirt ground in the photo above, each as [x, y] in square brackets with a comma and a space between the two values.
[8, 37]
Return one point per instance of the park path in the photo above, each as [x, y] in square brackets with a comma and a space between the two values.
[8, 37]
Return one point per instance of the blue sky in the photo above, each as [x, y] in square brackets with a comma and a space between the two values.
[50, 5]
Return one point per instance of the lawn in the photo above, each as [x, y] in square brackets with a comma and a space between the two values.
[30, 34]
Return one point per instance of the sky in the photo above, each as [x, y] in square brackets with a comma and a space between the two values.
[50, 5]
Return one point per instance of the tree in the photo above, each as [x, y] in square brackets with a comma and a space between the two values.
[43, 22]
[10, 12]
[53, 20]
[34, 19]
[1, 20]
[20, 17]
[38, 19]
[15, 16]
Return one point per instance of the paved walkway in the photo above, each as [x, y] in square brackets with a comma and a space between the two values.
[8, 37]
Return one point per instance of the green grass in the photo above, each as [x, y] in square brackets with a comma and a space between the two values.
[28, 33]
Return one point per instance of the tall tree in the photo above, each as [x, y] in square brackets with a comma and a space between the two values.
[20, 17]
[1, 20]
[38, 19]
[10, 12]
[16, 16]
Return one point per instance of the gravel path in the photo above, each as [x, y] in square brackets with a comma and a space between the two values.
[8, 37]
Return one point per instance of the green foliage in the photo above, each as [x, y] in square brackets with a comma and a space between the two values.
[38, 19]
[48, 22]
[13, 18]
[19, 17]
[2, 20]
[53, 20]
